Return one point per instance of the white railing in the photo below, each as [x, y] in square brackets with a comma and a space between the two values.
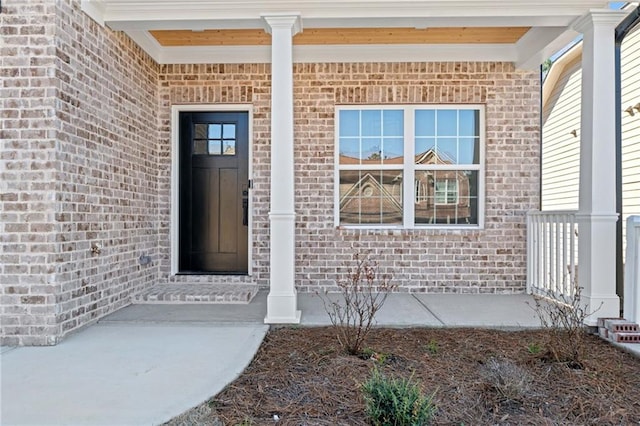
[552, 254]
[632, 271]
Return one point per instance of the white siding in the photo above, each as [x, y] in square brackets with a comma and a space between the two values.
[630, 126]
[560, 149]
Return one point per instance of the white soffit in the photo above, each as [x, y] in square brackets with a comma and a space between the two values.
[550, 21]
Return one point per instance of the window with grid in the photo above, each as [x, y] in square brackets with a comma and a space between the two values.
[409, 166]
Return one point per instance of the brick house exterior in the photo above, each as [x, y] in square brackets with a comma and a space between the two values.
[85, 186]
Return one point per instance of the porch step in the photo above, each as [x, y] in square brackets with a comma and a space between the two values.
[618, 330]
[197, 293]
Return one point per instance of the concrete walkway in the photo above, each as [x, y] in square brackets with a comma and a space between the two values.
[145, 364]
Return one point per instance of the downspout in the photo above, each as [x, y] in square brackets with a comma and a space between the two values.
[540, 117]
[624, 28]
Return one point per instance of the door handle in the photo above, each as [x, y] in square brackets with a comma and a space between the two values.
[245, 208]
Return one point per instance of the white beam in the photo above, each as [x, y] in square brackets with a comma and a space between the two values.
[148, 43]
[282, 300]
[329, 53]
[129, 12]
[539, 43]
[340, 22]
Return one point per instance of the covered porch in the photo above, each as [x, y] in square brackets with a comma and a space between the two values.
[522, 35]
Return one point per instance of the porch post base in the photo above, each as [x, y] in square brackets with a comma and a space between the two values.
[281, 309]
[597, 265]
[600, 306]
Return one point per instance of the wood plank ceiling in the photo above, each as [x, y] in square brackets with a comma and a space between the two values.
[330, 36]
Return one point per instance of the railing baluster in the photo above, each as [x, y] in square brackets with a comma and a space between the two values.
[574, 256]
[565, 258]
[551, 253]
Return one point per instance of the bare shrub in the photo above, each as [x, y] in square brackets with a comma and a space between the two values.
[511, 382]
[362, 292]
[563, 318]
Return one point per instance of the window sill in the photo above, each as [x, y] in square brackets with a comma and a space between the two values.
[412, 228]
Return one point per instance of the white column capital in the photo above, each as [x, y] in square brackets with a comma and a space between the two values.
[598, 17]
[284, 21]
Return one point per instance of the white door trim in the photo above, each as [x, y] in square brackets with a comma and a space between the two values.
[175, 173]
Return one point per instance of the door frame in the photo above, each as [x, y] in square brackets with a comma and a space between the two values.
[174, 232]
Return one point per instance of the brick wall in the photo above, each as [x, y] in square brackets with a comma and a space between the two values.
[488, 260]
[27, 172]
[79, 168]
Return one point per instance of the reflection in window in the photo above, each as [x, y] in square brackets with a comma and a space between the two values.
[452, 134]
[446, 190]
[446, 197]
[445, 143]
[214, 139]
[371, 196]
[371, 137]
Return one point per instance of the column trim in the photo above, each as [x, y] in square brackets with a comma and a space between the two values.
[598, 16]
[282, 21]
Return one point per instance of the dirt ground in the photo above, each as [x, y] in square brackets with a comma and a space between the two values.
[302, 377]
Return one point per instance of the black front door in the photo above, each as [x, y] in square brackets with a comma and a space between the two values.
[214, 192]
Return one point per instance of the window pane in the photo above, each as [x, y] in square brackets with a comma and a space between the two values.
[371, 150]
[446, 197]
[469, 122]
[215, 131]
[372, 138]
[228, 147]
[199, 147]
[425, 150]
[447, 151]
[393, 151]
[349, 123]
[371, 122]
[447, 122]
[370, 197]
[393, 123]
[445, 188]
[200, 131]
[214, 147]
[349, 151]
[469, 151]
[425, 122]
[229, 131]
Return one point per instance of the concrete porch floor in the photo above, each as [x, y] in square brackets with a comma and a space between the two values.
[400, 310]
[146, 364]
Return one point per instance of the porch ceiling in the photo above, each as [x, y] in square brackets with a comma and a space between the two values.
[232, 31]
[329, 36]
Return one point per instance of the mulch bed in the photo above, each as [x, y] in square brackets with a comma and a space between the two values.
[301, 376]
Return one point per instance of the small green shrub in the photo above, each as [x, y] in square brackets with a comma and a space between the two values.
[396, 402]
[432, 347]
[534, 348]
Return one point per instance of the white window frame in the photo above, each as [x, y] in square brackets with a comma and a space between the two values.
[409, 168]
[447, 201]
[175, 174]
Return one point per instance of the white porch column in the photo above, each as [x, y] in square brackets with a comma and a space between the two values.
[282, 301]
[597, 193]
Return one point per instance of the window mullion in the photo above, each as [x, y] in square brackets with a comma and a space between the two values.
[408, 208]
